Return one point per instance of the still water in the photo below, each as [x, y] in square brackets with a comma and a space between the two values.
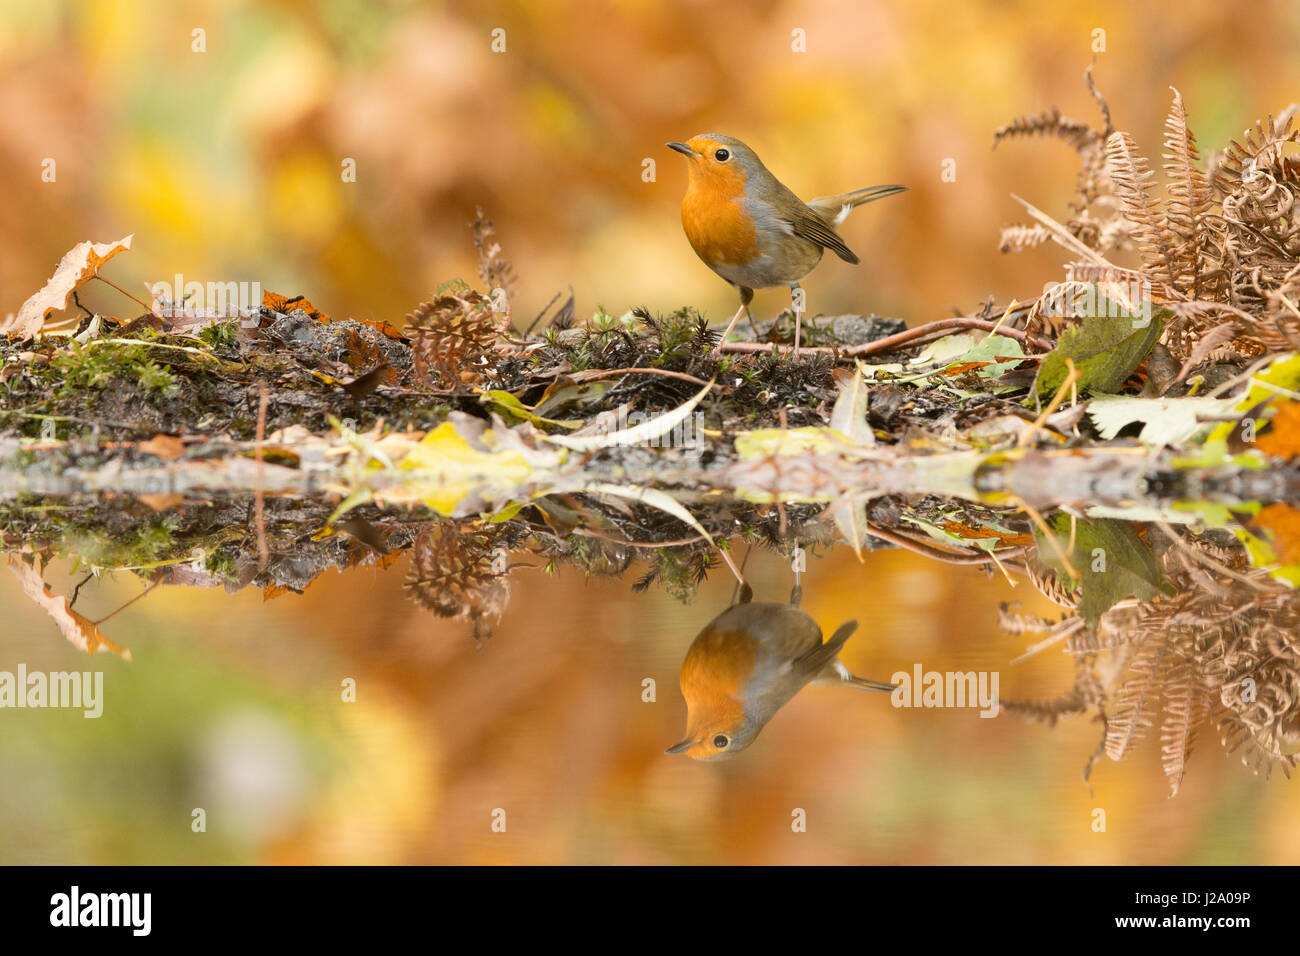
[348, 725]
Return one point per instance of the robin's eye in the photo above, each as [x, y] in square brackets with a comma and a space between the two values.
[722, 156]
[721, 740]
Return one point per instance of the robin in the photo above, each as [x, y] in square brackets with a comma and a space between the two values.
[747, 663]
[753, 231]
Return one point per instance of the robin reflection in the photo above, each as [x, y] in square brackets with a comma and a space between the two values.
[747, 663]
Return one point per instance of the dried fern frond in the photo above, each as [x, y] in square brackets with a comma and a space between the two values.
[1132, 715]
[1085, 695]
[1131, 178]
[450, 335]
[458, 572]
[1050, 587]
[1190, 197]
[1017, 624]
[1260, 693]
[1050, 123]
[1115, 234]
[494, 269]
[1018, 238]
[1186, 703]
[1261, 150]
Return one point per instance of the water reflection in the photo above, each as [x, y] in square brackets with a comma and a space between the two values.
[750, 661]
[1170, 633]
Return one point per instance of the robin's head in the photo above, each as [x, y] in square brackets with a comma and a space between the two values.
[715, 733]
[717, 161]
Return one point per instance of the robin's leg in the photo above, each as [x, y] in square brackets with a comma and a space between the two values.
[746, 592]
[797, 306]
[796, 593]
[746, 297]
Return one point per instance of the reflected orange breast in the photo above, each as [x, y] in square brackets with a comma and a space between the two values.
[714, 674]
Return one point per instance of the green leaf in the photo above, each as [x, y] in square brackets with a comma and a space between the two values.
[513, 407]
[1105, 349]
[1115, 563]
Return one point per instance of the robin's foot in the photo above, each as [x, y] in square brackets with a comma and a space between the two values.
[717, 349]
[797, 307]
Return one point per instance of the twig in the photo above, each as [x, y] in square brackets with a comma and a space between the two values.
[77, 590]
[533, 324]
[263, 553]
[932, 550]
[1054, 638]
[147, 306]
[1050, 535]
[590, 374]
[1037, 424]
[152, 585]
[892, 342]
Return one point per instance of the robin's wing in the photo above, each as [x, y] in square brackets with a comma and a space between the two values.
[782, 633]
[807, 224]
[814, 660]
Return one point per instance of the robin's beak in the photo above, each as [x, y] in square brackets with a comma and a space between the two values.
[686, 744]
[685, 151]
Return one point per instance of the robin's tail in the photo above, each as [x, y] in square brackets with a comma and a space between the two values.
[861, 683]
[823, 661]
[834, 209]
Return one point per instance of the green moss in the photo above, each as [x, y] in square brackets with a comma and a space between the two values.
[146, 543]
[221, 335]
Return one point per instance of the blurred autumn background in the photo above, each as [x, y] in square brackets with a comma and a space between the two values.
[226, 165]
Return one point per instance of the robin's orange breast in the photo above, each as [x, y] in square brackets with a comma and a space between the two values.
[720, 231]
[717, 667]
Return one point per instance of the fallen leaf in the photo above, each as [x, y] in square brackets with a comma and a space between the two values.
[514, 408]
[363, 385]
[162, 501]
[1166, 421]
[1113, 561]
[77, 267]
[1008, 539]
[849, 415]
[1105, 349]
[645, 432]
[296, 303]
[1282, 440]
[1283, 524]
[850, 517]
[80, 631]
[166, 447]
[386, 329]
